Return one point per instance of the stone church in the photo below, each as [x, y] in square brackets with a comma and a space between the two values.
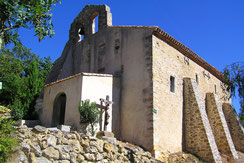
[165, 97]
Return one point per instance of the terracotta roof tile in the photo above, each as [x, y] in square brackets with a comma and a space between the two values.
[187, 52]
[180, 47]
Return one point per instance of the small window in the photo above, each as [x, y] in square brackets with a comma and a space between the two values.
[172, 84]
[215, 89]
[197, 79]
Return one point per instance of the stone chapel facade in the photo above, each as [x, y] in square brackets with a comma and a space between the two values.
[157, 86]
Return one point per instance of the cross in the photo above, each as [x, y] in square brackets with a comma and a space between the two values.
[105, 107]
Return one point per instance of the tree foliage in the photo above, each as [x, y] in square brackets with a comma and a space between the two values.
[23, 75]
[89, 114]
[234, 79]
[34, 14]
[7, 140]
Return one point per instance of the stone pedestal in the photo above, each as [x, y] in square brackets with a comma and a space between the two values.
[64, 128]
[108, 136]
[105, 133]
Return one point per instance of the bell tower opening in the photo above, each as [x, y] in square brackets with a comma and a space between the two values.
[81, 34]
[95, 23]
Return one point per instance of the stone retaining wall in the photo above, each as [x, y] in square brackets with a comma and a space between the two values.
[41, 145]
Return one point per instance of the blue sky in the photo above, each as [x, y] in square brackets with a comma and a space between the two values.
[214, 29]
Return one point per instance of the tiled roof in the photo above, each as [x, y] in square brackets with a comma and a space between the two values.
[181, 48]
[187, 52]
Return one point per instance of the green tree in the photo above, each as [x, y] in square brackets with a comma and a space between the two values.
[11, 70]
[34, 14]
[23, 75]
[89, 114]
[234, 79]
[32, 88]
[7, 141]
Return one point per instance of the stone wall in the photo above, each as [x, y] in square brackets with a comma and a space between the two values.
[235, 127]
[136, 87]
[199, 138]
[42, 145]
[95, 87]
[168, 118]
[219, 126]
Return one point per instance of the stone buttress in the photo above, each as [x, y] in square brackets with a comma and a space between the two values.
[199, 138]
[219, 126]
[235, 127]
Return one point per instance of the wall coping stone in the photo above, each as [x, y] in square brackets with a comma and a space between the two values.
[79, 74]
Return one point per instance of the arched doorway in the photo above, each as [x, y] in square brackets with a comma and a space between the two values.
[59, 110]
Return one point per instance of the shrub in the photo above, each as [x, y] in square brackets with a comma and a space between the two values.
[17, 110]
[89, 114]
[7, 142]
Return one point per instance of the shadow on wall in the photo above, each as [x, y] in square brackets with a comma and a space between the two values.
[116, 98]
[183, 121]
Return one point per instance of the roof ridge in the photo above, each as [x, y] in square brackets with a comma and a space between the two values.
[132, 26]
[180, 47]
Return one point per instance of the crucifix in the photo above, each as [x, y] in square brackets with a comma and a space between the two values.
[106, 103]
